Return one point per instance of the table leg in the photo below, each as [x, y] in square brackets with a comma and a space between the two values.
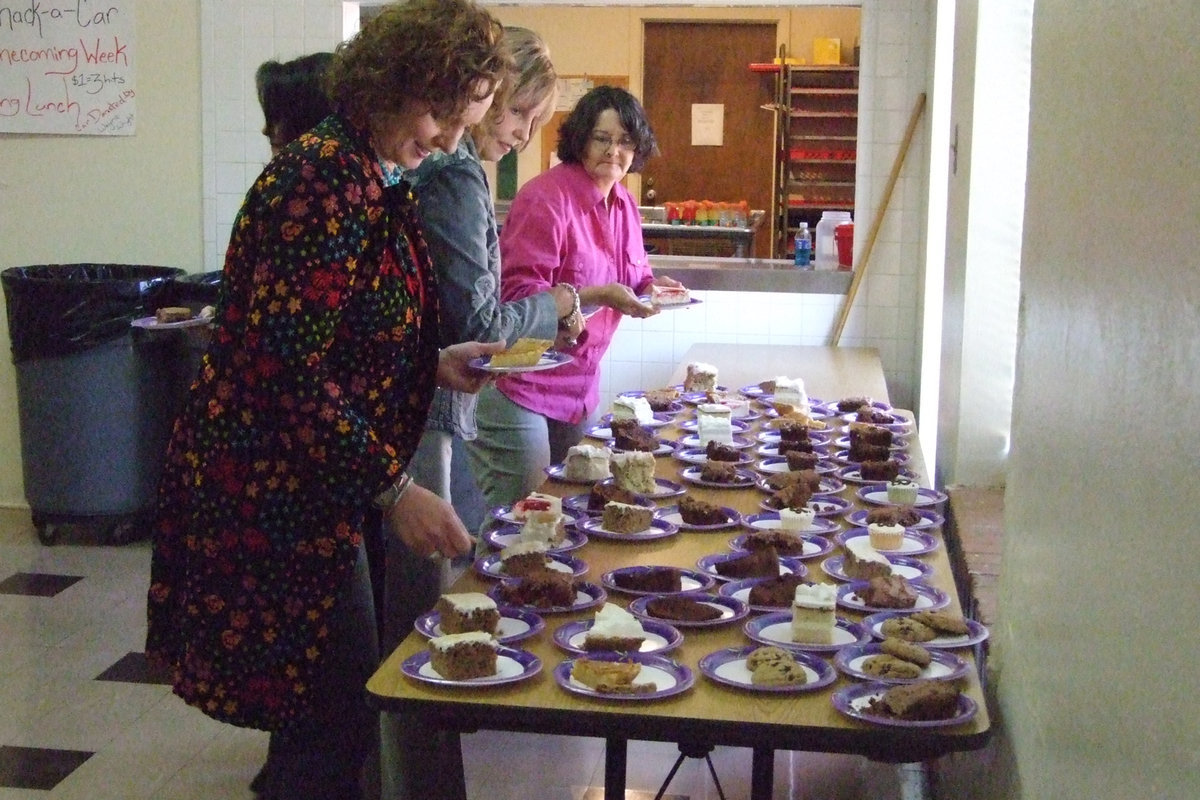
[914, 781]
[762, 773]
[614, 768]
[455, 782]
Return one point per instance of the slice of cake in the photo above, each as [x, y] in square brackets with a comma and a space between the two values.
[634, 408]
[546, 589]
[682, 609]
[629, 435]
[861, 451]
[792, 431]
[714, 423]
[801, 459]
[625, 518]
[874, 416]
[786, 543]
[663, 580]
[867, 433]
[463, 656]
[695, 511]
[634, 471]
[812, 613]
[525, 352]
[906, 516]
[863, 562]
[669, 295]
[586, 462]
[775, 592]
[718, 472]
[169, 314]
[661, 399]
[918, 701]
[885, 470]
[537, 502]
[885, 537]
[610, 677]
[542, 519]
[462, 612]
[716, 451]
[791, 391]
[700, 377]
[891, 591]
[602, 493]
[524, 558]
[614, 629]
[795, 497]
[760, 563]
[848, 404]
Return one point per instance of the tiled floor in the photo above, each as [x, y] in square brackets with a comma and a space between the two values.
[81, 717]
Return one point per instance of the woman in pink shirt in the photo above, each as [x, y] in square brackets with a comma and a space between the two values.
[573, 225]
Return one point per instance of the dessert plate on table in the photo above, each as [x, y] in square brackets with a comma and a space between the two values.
[876, 494]
[773, 462]
[665, 447]
[776, 628]
[822, 506]
[674, 408]
[692, 442]
[788, 565]
[549, 360]
[659, 529]
[690, 580]
[558, 472]
[660, 419]
[697, 455]
[742, 479]
[944, 665]
[843, 457]
[515, 624]
[660, 637]
[929, 519]
[506, 535]
[739, 425]
[818, 438]
[668, 676]
[505, 514]
[579, 504]
[929, 598]
[975, 634]
[914, 543]
[740, 590]
[852, 474]
[854, 701]
[814, 546]
[769, 520]
[908, 568]
[828, 485]
[695, 398]
[151, 323]
[671, 514]
[492, 567]
[587, 595]
[692, 301]
[897, 423]
[662, 488]
[512, 665]
[728, 667]
[731, 609]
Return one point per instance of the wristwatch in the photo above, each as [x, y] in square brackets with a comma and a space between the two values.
[388, 498]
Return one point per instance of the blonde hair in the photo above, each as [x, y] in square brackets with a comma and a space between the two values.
[532, 80]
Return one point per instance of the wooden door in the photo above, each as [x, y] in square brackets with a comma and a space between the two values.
[709, 62]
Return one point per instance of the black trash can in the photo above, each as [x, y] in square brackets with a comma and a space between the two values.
[94, 400]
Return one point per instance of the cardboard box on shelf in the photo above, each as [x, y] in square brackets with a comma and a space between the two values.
[827, 51]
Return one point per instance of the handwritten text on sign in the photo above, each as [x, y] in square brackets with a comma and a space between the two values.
[66, 66]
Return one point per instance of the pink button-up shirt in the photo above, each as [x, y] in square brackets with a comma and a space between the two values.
[558, 230]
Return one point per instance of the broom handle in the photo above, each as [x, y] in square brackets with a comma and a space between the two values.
[861, 268]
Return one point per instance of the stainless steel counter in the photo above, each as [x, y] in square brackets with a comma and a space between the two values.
[749, 275]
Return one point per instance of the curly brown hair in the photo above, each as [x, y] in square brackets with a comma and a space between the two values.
[445, 53]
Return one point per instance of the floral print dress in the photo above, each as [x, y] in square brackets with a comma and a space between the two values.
[310, 399]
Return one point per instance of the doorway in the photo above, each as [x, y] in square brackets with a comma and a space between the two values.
[692, 62]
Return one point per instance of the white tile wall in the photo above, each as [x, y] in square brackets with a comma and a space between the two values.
[896, 48]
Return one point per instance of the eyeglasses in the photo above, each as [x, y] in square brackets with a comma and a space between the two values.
[604, 141]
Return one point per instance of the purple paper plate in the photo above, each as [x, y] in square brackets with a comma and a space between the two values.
[876, 494]
[740, 590]
[660, 637]
[665, 447]
[770, 519]
[512, 665]
[692, 442]
[515, 624]
[776, 629]
[579, 504]
[490, 566]
[674, 408]
[671, 514]
[739, 425]
[788, 565]
[814, 546]
[819, 439]
[975, 634]
[929, 519]
[852, 701]
[731, 609]
[664, 488]
[943, 666]
[771, 462]
[690, 580]
[549, 360]
[659, 529]
[558, 472]
[898, 444]
[505, 535]
[843, 456]
[898, 423]
[743, 479]
[852, 474]
[914, 543]
[822, 506]
[728, 667]
[659, 420]
[929, 598]
[909, 568]
[505, 514]
[669, 676]
[587, 595]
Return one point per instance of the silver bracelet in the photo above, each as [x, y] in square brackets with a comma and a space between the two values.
[390, 496]
[564, 322]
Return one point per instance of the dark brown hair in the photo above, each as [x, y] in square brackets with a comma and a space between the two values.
[444, 53]
[576, 129]
[292, 95]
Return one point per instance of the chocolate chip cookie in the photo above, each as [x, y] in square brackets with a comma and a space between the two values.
[908, 629]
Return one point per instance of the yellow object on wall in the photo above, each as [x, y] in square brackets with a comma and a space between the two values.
[827, 51]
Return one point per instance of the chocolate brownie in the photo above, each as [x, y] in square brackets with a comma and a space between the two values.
[694, 511]
[921, 700]
[890, 591]
[775, 592]
[905, 516]
[795, 496]
[763, 563]
[718, 472]
[628, 435]
[848, 404]
[715, 451]
[798, 460]
[785, 543]
[879, 470]
[683, 609]
[651, 579]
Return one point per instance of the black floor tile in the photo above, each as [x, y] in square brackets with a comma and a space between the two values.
[37, 584]
[134, 668]
[36, 767]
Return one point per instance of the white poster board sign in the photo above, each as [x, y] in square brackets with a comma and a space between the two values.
[708, 124]
[67, 68]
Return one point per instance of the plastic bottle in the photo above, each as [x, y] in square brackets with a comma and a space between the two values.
[803, 247]
[825, 247]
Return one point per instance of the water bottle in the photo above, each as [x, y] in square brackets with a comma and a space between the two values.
[825, 247]
[803, 247]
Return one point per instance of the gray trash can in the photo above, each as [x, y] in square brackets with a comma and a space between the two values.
[94, 395]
